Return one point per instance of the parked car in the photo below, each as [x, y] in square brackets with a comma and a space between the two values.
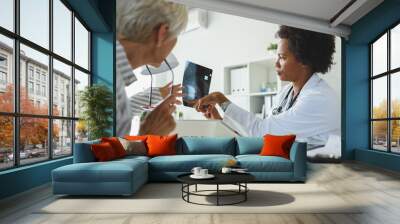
[22, 155]
[10, 156]
[57, 152]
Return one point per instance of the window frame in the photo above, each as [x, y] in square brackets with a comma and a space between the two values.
[16, 114]
[388, 74]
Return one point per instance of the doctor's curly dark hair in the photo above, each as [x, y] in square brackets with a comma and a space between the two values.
[310, 48]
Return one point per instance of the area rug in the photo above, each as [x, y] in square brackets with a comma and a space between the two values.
[167, 198]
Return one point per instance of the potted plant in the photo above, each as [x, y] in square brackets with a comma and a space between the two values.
[272, 48]
[96, 104]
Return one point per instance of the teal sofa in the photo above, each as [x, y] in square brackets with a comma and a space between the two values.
[125, 176]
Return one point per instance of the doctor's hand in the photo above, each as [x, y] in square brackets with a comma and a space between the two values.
[166, 90]
[202, 105]
[212, 113]
[160, 121]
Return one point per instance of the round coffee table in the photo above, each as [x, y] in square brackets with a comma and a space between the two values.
[238, 179]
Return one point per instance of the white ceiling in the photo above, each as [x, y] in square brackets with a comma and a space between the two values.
[321, 9]
[315, 15]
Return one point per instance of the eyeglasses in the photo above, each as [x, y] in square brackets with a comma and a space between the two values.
[151, 81]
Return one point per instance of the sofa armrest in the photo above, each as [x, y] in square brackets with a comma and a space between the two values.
[83, 152]
[298, 155]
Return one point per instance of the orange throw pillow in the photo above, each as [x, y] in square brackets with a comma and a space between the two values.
[103, 152]
[136, 138]
[161, 145]
[277, 145]
[116, 145]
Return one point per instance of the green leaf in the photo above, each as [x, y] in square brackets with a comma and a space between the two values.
[96, 102]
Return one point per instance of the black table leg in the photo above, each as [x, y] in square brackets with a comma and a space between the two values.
[182, 190]
[217, 194]
[245, 193]
[242, 191]
[188, 189]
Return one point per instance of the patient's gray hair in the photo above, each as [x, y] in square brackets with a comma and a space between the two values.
[136, 19]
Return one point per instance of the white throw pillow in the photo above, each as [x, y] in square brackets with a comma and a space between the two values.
[137, 147]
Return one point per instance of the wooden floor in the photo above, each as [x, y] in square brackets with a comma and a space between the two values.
[378, 188]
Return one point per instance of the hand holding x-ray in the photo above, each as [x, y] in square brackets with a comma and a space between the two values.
[160, 120]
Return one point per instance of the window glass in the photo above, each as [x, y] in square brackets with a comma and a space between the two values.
[34, 80]
[7, 14]
[395, 136]
[379, 135]
[81, 131]
[379, 97]
[379, 56]
[30, 73]
[6, 74]
[62, 29]
[62, 138]
[39, 62]
[62, 91]
[81, 45]
[6, 142]
[395, 95]
[30, 87]
[3, 60]
[395, 47]
[81, 81]
[33, 140]
[34, 21]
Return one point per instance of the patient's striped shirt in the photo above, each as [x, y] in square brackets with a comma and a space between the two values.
[127, 109]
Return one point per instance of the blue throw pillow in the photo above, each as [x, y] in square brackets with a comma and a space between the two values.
[249, 145]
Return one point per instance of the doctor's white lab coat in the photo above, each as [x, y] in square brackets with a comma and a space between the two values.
[313, 117]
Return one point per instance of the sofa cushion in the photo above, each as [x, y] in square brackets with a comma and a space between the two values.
[112, 171]
[275, 145]
[134, 147]
[103, 152]
[206, 145]
[116, 145]
[185, 163]
[249, 145]
[257, 163]
[161, 145]
[136, 137]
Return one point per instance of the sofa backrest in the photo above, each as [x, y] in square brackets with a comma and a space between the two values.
[206, 145]
[191, 146]
[83, 152]
[249, 145]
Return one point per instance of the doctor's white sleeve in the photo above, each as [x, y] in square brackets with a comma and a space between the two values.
[312, 114]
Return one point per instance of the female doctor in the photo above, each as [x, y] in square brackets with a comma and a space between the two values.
[307, 107]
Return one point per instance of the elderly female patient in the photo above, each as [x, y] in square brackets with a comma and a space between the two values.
[147, 31]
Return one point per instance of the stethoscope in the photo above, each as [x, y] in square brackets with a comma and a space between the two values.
[279, 109]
